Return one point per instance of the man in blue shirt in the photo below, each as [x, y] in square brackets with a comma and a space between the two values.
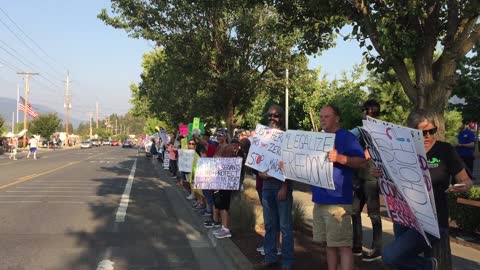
[466, 146]
[332, 210]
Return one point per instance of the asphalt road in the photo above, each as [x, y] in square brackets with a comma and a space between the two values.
[68, 210]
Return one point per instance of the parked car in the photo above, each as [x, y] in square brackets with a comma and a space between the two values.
[86, 144]
[126, 144]
[114, 143]
[106, 142]
[95, 142]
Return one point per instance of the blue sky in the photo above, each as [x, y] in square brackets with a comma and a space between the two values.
[102, 61]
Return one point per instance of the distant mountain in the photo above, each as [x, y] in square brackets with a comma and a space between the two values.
[9, 105]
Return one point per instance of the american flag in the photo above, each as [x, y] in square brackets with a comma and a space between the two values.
[30, 111]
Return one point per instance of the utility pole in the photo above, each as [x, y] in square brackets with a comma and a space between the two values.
[27, 91]
[97, 115]
[116, 127]
[68, 106]
[286, 101]
[90, 116]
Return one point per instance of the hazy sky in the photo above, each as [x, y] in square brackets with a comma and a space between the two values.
[102, 61]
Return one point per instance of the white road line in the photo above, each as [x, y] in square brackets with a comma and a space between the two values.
[122, 209]
[37, 191]
[47, 187]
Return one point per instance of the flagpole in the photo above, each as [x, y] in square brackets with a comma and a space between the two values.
[13, 121]
[18, 100]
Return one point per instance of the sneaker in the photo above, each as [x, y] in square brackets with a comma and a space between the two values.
[225, 233]
[261, 249]
[217, 224]
[371, 256]
[217, 231]
[195, 205]
[199, 207]
[434, 263]
[190, 197]
[357, 251]
[279, 252]
[209, 224]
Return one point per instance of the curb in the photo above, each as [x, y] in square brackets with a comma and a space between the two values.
[227, 251]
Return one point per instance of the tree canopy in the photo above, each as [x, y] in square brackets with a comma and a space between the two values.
[44, 125]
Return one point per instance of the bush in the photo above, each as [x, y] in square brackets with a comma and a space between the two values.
[298, 215]
[242, 215]
[467, 217]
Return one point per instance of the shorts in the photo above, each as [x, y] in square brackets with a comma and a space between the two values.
[332, 224]
[33, 149]
[221, 199]
[14, 151]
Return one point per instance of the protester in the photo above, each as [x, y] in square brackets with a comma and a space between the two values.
[172, 153]
[153, 148]
[222, 197]
[238, 152]
[466, 145]
[33, 147]
[366, 191]
[14, 147]
[332, 208]
[277, 200]
[443, 163]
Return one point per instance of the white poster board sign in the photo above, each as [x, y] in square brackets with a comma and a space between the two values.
[265, 152]
[218, 173]
[163, 135]
[305, 157]
[166, 161]
[185, 160]
[406, 170]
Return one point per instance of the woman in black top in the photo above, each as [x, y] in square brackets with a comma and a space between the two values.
[444, 164]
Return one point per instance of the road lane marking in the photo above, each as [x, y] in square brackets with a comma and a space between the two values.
[122, 209]
[47, 191]
[28, 177]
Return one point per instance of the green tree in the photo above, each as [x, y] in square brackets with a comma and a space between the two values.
[44, 125]
[393, 33]
[216, 56]
[468, 86]
[3, 128]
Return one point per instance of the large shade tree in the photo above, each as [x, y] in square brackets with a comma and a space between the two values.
[44, 125]
[394, 32]
[219, 53]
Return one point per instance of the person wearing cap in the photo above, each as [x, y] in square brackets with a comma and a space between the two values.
[466, 145]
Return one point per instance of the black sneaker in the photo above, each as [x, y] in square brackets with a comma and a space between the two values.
[209, 224]
[357, 251]
[217, 224]
[371, 256]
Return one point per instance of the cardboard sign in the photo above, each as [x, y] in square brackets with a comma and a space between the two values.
[419, 191]
[305, 157]
[196, 123]
[265, 151]
[183, 130]
[185, 160]
[218, 173]
[406, 194]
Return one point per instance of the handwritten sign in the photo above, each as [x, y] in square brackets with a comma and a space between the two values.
[163, 135]
[421, 189]
[265, 151]
[196, 123]
[218, 173]
[166, 161]
[405, 181]
[305, 157]
[183, 129]
[185, 160]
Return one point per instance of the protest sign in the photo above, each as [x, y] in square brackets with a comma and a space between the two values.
[218, 173]
[265, 152]
[183, 130]
[196, 123]
[404, 184]
[305, 157]
[166, 161]
[163, 135]
[185, 160]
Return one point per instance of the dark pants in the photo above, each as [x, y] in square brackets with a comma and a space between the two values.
[469, 164]
[367, 192]
[173, 167]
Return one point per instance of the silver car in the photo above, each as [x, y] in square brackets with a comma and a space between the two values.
[86, 144]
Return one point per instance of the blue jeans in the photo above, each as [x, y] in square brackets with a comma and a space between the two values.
[208, 194]
[403, 252]
[277, 216]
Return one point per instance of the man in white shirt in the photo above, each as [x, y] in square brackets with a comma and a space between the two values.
[33, 147]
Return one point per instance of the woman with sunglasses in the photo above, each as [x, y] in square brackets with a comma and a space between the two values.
[444, 164]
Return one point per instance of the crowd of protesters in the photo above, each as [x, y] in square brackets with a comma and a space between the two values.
[336, 213]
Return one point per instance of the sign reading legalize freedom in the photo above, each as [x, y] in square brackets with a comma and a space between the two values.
[218, 173]
[185, 160]
[265, 151]
[406, 181]
[305, 157]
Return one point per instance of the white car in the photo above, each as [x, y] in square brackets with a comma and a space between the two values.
[86, 144]
[106, 142]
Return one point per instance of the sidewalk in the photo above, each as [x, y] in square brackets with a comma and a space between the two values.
[463, 258]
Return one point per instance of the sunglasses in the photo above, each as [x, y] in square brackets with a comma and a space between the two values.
[191, 143]
[274, 115]
[429, 131]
